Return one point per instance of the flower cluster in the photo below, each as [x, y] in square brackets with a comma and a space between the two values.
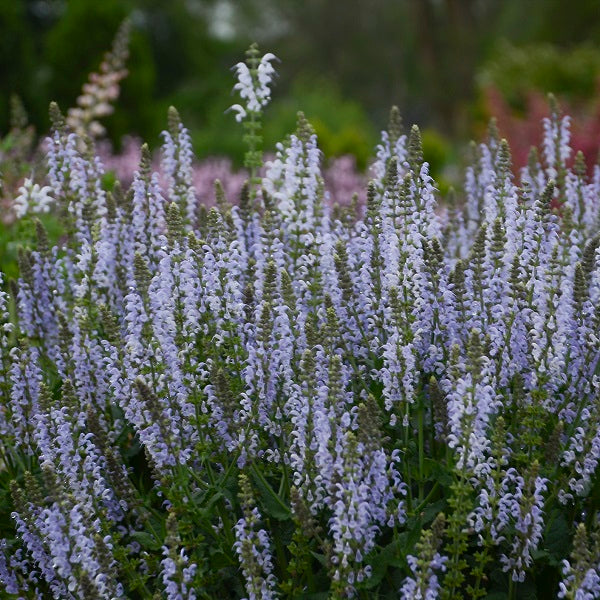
[272, 398]
[341, 178]
[424, 583]
[32, 198]
[253, 83]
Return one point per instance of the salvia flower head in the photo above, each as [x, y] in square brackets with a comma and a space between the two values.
[32, 198]
[254, 78]
[252, 546]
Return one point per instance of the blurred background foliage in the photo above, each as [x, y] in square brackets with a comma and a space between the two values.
[447, 63]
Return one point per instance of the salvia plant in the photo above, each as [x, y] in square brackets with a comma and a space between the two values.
[268, 399]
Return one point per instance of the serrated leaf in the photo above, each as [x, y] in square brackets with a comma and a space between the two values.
[439, 473]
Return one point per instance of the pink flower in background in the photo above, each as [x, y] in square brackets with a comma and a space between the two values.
[342, 178]
[127, 162]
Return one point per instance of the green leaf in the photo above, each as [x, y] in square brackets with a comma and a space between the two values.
[557, 540]
[147, 540]
[431, 511]
[382, 560]
[540, 554]
[526, 591]
[392, 555]
[220, 560]
[214, 498]
[320, 558]
[273, 505]
[438, 472]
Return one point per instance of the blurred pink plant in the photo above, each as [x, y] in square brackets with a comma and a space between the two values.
[342, 179]
[101, 89]
[526, 130]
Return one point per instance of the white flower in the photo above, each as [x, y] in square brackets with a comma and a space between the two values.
[240, 110]
[253, 86]
[265, 74]
[32, 198]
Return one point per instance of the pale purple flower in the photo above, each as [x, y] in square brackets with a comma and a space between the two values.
[252, 546]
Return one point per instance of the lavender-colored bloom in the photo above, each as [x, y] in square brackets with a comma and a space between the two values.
[6, 328]
[25, 377]
[293, 179]
[252, 546]
[363, 497]
[471, 402]
[177, 157]
[43, 560]
[527, 510]
[556, 143]
[299, 341]
[386, 149]
[587, 589]
[177, 575]
[147, 216]
[8, 573]
[582, 454]
[412, 589]
[111, 263]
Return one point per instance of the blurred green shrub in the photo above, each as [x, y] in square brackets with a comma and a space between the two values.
[573, 73]
[438, 152]
[21, 234]
[17, 57]
[48, 48]
[341, 125]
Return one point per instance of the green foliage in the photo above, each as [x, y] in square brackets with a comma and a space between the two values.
[341, 124]
[515, 70]
[17, 57]
[22, 234]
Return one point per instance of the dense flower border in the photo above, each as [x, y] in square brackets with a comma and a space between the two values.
[266, 400]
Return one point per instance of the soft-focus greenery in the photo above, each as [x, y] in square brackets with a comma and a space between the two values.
[340, 123]
[350, 62]
[516, 70]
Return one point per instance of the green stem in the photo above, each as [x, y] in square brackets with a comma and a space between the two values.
[427, 498]
[512, 589]
[421, 435]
